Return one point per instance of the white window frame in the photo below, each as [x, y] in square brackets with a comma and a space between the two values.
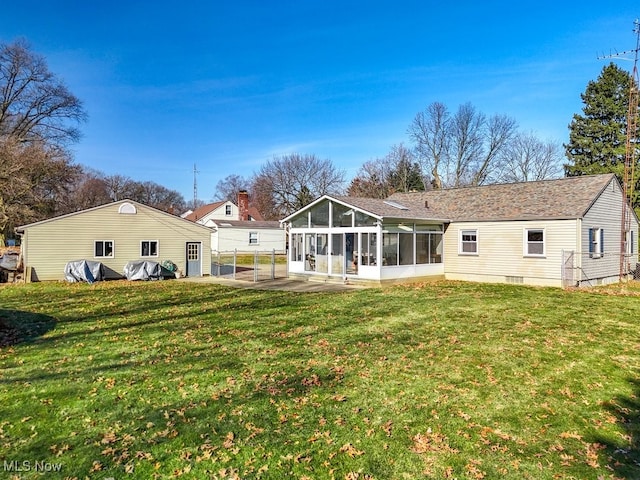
[629, 237]
[103, 242]
[157, 254]
[461, 242]
[526, 243]
[228, 210]
[596, 248]
[257, 237]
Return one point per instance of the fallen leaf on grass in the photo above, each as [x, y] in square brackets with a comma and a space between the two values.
[431, 442]
[228, 443]
[571, 435]
[350, 450]
[108, 438]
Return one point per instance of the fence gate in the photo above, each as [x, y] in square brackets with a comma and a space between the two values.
[568, 268]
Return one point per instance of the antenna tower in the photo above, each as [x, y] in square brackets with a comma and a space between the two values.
[631, 151]
[195, 187]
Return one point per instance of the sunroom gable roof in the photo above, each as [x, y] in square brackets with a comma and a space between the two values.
[376, 207]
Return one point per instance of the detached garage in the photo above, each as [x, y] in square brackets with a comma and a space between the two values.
[115, 234]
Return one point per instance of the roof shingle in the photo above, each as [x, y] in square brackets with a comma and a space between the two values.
[563, 198]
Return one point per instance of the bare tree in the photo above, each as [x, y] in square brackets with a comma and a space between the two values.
[228, 187]
[430, 133]
[462, 149]
[94, 188]
[498, 131]
[466, 145]
[157, 196]
[372, 180]
[398, 171]
[38, 121]
[527, 158]
[34, 104]
[35, 178]
[89, 191]
[288, 183]
[119, 187]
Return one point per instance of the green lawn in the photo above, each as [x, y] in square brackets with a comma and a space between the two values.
[446, 380]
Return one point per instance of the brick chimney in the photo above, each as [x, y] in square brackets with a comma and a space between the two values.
[243, 205]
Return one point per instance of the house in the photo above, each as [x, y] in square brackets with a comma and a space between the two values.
[115, 234]
[553, 232]
[224, 210]
[239, 227]
[247, 236]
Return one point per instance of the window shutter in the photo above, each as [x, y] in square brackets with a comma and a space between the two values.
[601, 241]
[591, 242]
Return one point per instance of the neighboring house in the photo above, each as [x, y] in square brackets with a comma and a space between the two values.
[224, 210]
[239, 227]
[554, 232]
[115, 234]
[247, 236]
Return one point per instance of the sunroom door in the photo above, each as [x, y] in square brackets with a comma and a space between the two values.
[350, 247]
[337, 254]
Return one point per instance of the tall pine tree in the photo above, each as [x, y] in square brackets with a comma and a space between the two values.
[597, 139]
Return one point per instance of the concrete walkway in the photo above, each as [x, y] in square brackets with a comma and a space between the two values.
[284, 284]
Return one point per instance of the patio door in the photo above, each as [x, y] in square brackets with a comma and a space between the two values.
[194, 264]
[343, 250]
[351, 249]
[337, 254]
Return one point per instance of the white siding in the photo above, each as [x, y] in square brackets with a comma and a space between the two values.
[605, 213]
[49, 245]
[232, 238]
[501, 256]
[220, 214]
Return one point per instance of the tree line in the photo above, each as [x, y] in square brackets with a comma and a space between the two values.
[40, 119]
[446, 150]
[466, 148]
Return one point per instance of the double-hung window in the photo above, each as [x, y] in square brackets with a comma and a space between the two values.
[149, 248]
[468, 242]
[596, 242]
[534, 242]
[629, 236]
[253, 238]
[103, 249]
[227, 210]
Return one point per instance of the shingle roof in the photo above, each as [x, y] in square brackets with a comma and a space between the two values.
[200, 212]
[385, 209]
[255, 214]
[204, 210]
[258, 224]
[563, 198]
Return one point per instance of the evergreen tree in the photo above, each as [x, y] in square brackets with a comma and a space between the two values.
[597, 139]
[406, 177]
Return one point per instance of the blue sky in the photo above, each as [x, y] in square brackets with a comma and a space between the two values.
[229, 85]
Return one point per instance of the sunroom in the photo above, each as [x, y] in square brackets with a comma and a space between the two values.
[369, 240]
